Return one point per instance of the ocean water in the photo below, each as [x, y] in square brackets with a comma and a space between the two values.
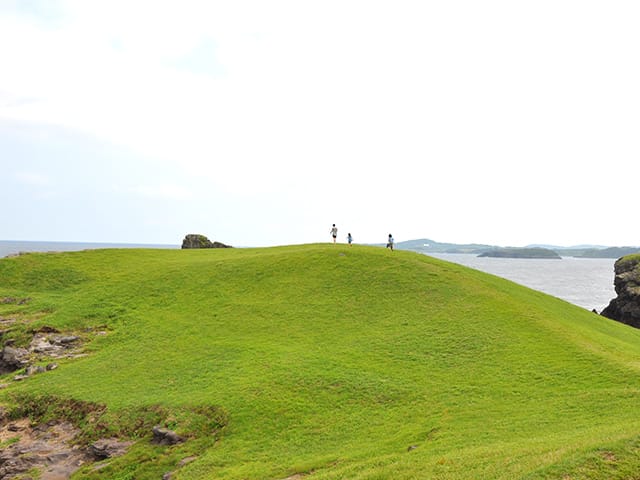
[586, 282]
[10, 247]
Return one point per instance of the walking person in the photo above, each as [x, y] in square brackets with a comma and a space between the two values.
[349, 239]
[334, 232]
[390, 242]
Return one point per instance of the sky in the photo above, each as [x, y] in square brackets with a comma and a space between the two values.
[263, 123]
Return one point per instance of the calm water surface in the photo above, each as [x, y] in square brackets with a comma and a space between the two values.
[586, 282]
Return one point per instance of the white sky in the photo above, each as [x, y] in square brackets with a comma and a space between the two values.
[263, 122]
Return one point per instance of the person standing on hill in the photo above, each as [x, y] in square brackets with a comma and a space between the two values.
[390, 242]
[349, 239]
[334, 232]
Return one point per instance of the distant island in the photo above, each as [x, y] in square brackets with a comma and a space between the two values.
[425, 245]
[521, 253]
[611, 252]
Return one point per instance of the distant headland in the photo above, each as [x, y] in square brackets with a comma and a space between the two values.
[521, 253]
[425, 245]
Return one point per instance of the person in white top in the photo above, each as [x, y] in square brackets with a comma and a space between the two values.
[334, 232]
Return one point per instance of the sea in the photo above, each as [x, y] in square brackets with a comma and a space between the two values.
[586, 282]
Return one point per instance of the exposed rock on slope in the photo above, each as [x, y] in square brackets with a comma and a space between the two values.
[47, 448]
[47, 343]
[195, 240]
[625, 307]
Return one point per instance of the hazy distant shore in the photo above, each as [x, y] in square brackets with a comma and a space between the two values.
[12, 247]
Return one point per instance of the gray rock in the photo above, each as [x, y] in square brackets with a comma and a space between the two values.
[12, 359]
[64, 339]
[40, 344]
[52, 345]
[195, 240]
[164, 436]
[625, 307]
[186, 460]
[108, 448]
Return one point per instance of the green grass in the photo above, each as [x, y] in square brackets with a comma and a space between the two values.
[336, 362]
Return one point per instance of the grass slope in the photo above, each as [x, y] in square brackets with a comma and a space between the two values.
[338, 362]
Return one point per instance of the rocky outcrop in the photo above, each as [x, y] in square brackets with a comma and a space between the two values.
[625, 307]
[108, 448]
[12, 359]
[164, 436]
[47, 343]
[195, 240]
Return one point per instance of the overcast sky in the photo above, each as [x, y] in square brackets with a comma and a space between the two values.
[261, 123]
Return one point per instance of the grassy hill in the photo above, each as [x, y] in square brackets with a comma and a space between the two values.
[330, 362]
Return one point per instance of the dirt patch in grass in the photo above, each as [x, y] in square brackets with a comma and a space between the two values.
[56, 436]
[48, 448]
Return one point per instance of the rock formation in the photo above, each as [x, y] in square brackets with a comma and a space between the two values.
[164, 436]
[108, 448]
[12, 358]
[195, 240]
[625, 307]
[47, 343]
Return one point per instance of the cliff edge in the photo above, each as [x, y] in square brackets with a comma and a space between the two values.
[625, 307]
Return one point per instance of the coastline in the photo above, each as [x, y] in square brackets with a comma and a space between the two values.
[15, 247]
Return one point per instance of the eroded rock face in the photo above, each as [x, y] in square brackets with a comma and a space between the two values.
[194, 240]
[12, 359]
[48, 448]
[625, 307]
